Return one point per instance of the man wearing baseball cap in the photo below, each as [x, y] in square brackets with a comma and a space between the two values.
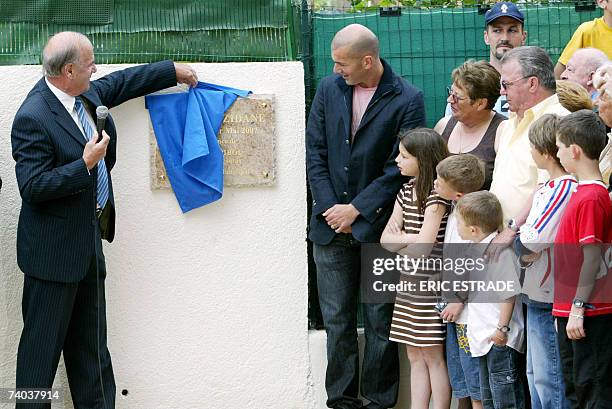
[503, 31]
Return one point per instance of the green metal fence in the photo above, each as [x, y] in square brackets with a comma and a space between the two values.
[136, 31]
[424, 45]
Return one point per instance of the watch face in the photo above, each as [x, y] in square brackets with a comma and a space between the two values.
[579, 303]
[512, 225]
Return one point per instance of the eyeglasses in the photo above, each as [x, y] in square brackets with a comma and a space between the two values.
[454, 95]
[506, 84]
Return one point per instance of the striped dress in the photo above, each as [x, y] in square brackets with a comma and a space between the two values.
[415, 321]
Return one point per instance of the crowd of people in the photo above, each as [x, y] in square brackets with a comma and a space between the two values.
[520, 164]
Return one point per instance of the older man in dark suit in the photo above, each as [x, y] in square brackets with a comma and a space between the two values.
[351, 144]
[63, 173]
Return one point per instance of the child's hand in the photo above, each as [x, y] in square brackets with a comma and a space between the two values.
[500, 242]
[394, 228]
[499, 338]
[575, 324]
[530, 258]
[452, 311]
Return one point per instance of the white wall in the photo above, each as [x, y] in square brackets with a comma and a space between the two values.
[206, 309]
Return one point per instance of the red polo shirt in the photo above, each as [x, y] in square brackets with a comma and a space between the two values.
[587, 220]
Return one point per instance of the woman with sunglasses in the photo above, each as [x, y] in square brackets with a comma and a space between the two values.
[473, 126]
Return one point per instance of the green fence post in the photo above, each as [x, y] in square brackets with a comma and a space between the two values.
[291, 48]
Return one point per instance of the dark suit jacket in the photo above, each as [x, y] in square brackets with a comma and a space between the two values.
[363, 172]
[56, 232]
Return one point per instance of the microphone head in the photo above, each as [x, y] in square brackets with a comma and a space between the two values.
[102, 112]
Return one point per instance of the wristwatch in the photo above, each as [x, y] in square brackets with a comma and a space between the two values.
[578, 303]
[505, 329]
[513, 225]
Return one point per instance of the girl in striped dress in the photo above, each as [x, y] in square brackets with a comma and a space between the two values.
[417, 223]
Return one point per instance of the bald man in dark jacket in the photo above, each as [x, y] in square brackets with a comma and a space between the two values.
[351, 145]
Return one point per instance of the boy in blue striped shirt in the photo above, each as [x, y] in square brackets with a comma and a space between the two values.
[534, 243]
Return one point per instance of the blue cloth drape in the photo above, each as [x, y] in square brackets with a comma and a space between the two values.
[186, 127]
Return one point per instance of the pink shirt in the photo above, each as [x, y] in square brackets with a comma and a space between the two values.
[361, 99]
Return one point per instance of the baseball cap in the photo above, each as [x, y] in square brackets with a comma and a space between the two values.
[503, 9]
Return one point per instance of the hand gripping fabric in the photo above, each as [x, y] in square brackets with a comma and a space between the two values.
[186, 126]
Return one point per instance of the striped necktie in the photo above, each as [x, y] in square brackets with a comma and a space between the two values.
[102, 190]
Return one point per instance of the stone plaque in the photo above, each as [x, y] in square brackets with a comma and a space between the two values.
[247, 138]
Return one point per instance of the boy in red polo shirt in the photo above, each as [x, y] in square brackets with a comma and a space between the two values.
[583, 290]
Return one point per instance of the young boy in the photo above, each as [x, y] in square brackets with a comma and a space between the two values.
[581, 302]
[534, 243]
[458, 175]
[495, 320]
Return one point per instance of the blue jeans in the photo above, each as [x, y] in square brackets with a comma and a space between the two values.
[500, 383]
[544, 369]
[463, 368]
[338, 276]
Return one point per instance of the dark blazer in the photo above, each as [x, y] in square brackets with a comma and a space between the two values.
[56, 231]
[362, 172]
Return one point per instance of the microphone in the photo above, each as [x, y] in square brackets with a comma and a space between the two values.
[101, 114]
